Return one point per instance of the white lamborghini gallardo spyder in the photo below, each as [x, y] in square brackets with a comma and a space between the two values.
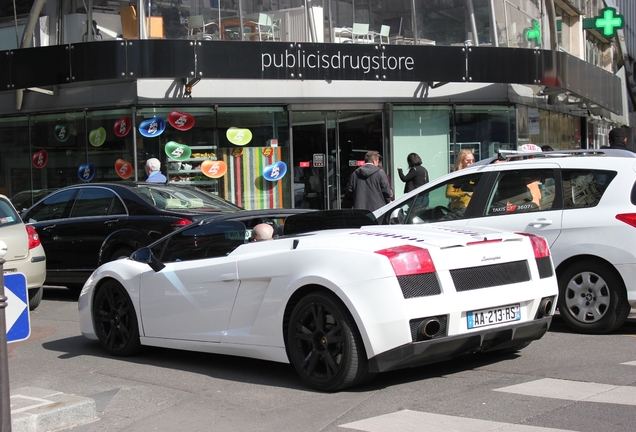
[340, 305]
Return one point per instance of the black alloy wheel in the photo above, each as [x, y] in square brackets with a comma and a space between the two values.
[115, 320]
[324, 344]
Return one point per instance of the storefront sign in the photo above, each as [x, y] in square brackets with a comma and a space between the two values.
[214, 169]
[152, 127]
[180, 121]
[275, 171]
[607, 23]
[86, 172]
[123, 168]
[177, 151]
[238, 136]
[534, 33]
[319, 160]
[62, 132]
[40, 158]
[533, 121]
[97, 137]
[122, 126]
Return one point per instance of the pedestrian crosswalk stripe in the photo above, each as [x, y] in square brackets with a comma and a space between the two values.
[415, 421]
[631, 363]
[575, 391]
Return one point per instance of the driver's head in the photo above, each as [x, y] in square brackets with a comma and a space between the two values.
[262, 232]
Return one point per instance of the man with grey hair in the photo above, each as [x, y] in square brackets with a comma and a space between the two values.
[153, 172]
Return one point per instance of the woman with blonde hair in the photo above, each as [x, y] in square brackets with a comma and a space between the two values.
[465, 158]
[460, 194]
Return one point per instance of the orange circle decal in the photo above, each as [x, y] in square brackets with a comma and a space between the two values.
[214, 169]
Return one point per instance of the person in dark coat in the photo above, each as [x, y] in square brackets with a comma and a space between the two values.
[368, 185]
[417, 175]
[618, 139]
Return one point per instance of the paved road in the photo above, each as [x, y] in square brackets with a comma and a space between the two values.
[565, 381]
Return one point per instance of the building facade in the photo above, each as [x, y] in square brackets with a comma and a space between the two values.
[279, 110]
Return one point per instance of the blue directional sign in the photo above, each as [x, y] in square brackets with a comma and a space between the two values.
[17, 310]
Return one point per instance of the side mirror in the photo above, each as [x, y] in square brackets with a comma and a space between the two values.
[397, 217]
[145, 255]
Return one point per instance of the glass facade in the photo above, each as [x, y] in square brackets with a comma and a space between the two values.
[49, 151]
[234, 151]
[425, 22]
[438, 133]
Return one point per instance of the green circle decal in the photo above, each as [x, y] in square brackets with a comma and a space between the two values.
[177, 151]
[97, 137]
[238, 136]
[61, 132]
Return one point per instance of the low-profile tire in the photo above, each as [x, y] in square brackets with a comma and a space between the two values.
[35, 297]
[115, 320]
[324, 345]
[592, 298]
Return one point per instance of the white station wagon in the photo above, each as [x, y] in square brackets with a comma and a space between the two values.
[340, 305]
[583, 202]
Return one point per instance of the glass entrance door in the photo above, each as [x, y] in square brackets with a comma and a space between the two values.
[328, 146]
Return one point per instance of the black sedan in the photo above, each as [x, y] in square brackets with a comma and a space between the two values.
[74, 222]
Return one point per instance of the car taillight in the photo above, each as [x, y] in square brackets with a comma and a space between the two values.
[34, 238]
[409, 260]
[628, 218]
[181, 222]
[539, 245]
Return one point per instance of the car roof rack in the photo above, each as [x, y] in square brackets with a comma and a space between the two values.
[507, 155]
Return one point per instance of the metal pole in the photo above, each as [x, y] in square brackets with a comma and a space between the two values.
[473, 25]
[5, 397]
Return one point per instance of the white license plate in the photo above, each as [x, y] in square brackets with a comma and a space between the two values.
[486, 317]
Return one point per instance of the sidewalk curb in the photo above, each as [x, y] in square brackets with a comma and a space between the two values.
[36, 409]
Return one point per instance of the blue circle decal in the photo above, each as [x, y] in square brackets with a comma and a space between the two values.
[86, 172]
[152, 127]
[275, 172]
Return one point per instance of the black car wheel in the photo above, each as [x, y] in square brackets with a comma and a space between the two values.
[324, 344]
[35, 297]
[592, 298]
[115, 320]
[121, 253]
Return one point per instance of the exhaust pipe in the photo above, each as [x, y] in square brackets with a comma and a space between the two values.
[545, 307]
[430, 328]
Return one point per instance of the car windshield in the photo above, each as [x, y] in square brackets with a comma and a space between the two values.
[8, 215]
[167, 197]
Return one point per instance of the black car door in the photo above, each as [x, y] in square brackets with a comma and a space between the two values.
[96, 213]
[46, 216]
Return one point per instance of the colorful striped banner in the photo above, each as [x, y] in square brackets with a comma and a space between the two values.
[245, 185]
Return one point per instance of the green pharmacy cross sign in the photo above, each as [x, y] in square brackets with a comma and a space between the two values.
[607, 23]
[534, 32]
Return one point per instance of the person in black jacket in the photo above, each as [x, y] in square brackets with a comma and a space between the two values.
[368, 185]
[618, 138]
[417, 175]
